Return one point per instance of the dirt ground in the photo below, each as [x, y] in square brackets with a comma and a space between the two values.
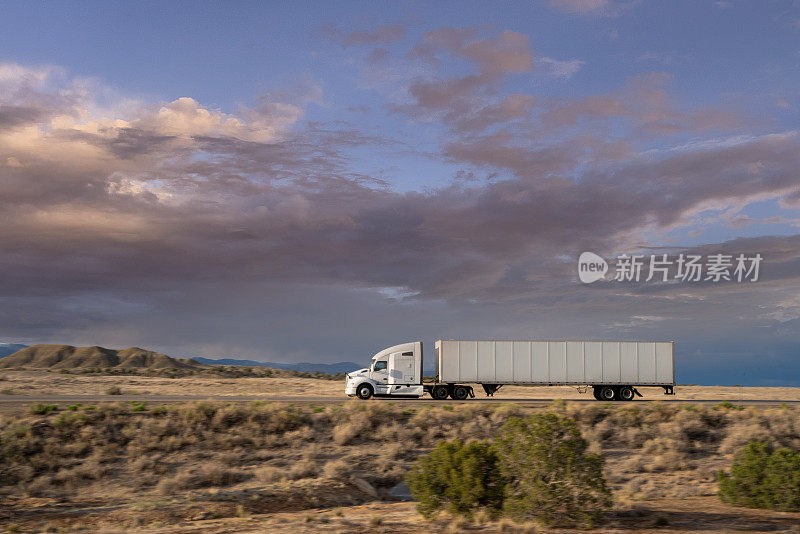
[663, 516]
[705, 514]
[53, 383]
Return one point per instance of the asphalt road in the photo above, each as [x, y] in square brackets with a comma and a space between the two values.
[10, 402]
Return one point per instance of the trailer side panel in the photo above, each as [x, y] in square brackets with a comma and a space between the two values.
[556, 362]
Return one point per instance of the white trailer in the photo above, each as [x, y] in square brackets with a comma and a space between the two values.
[613, 369]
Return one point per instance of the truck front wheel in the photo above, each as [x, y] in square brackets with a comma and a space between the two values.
[364, 391]
[439, 392]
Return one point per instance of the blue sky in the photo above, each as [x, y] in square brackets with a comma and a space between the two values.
[226, 53]
[313, 181]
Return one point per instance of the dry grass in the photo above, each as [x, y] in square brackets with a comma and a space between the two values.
[261, 382]
[265, 457]
[22, 382]
[208, 475]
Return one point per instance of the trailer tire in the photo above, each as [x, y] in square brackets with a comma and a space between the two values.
[596, 393]
[625, 393]
[460, 393]
[608, 393]
[439, 392]
[364, 391]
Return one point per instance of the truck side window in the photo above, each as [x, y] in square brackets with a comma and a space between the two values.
[408, 354]
[380, 366]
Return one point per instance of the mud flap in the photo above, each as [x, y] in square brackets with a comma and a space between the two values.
[637, 392]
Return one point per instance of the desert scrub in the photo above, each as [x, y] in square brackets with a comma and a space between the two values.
[209, 475]
[727, 405]
[458, 478]
[537, 469]
[140, 449]
[269, 474]
[692, 430]
[336, 469]
[70, 419]
[551, 476]
[353, 423]
[117, 436]
[138, 406]
[43, 409]
[763, 478]
[777, 427]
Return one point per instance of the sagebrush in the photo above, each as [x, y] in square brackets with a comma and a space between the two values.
[763, 478]
[537, 469]
[458, 478]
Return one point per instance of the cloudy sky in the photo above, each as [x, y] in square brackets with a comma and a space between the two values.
[315, 182]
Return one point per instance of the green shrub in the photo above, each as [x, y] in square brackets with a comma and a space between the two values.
[763, 478]
[551, 477]
[43, 409]
[727, 405]
[70, 419]
[458, 478]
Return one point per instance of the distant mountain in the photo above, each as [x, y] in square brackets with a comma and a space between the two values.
[328, 368]
[69, 357]
[10, 348]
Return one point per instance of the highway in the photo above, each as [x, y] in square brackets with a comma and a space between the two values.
[14, 402]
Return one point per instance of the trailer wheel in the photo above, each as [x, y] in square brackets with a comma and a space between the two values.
[625, 393]
[460, 393]
[596, 393]
[439, 392]
[364, 391]
[608, 394]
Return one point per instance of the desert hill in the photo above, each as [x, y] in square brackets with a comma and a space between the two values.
[69, 357]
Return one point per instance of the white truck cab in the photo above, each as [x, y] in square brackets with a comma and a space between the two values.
[395, 371]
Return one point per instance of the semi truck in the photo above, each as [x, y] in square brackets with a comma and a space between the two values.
[614, 370]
